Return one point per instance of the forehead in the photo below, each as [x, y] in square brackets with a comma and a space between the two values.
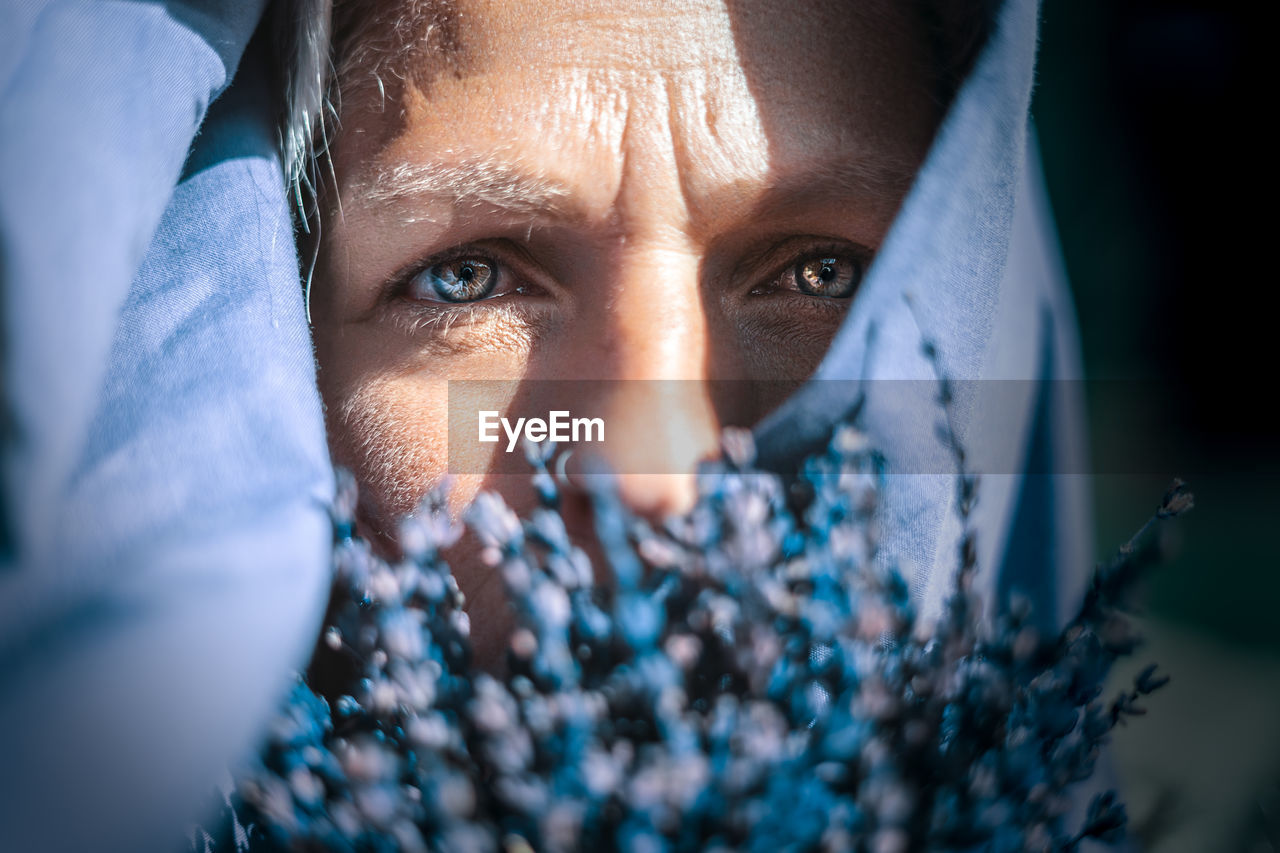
[733, 90]
[453, 35]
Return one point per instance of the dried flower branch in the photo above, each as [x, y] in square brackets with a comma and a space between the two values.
[755, 678]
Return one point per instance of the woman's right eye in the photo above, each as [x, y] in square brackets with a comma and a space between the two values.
[463, 279]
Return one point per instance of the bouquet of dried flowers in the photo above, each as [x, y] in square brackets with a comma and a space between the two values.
[755, 678]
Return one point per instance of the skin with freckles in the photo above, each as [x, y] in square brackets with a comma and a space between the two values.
[595, 190]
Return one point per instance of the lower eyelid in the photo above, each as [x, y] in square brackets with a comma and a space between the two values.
[417, 317]
[485, 303]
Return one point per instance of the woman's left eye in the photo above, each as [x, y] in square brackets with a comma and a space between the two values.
[465, 279]
[831, 275]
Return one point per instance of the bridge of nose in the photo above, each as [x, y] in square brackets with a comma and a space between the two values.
[640, 360]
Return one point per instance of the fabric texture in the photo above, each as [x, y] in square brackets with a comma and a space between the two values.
[165, 475]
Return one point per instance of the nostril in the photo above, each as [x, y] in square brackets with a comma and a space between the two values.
[560, 470]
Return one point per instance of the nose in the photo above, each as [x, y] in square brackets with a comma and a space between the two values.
[643, 344]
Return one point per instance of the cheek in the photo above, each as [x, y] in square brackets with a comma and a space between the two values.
[394, 438]
[386, 395]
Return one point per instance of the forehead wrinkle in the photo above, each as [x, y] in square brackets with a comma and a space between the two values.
[691, 34]
[730, 165]
[718, 140]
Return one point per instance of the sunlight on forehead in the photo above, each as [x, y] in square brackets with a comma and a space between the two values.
[656, 80]
[639, 35]
[634, 111]
[571, 96]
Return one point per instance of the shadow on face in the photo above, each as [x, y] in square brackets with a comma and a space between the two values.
[653, 216]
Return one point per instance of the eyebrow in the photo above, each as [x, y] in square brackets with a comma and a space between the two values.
[487, 183]
[483, 183]
[868, 180]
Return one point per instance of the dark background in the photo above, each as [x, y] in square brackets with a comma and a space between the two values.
[1151, 122]
[1151, 119]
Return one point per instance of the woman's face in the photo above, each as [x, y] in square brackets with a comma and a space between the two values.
[596, 190]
